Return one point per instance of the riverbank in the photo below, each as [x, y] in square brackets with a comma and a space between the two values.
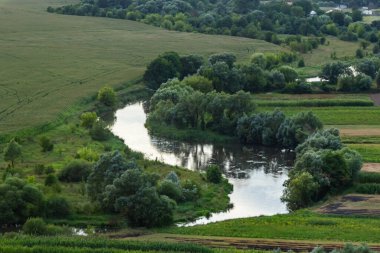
[69, 138]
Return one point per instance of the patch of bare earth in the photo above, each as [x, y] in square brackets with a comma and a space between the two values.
[375, 98]
[360, 132]
[371, 167]
[353, 204]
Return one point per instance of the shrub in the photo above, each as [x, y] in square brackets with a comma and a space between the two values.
[297, 88]
[57, 207]
[171, 190]
[99, 131]
[173, 177]
[87, 154]
[39, 169]
[35, 226]
[107, 96]
[88, 119]
[190, 190]
[75, 171]
[214, 174]
[51, 180]
[289, 73]
[46, 144]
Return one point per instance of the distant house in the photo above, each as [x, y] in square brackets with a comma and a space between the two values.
[367, 12]
[313, 13]
[342, 6]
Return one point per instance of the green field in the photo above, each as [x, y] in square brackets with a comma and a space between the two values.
[298, 226]
[50, 61]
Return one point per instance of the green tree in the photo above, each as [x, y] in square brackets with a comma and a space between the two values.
[300, 191]
[12, 152]
[107, 96]
[46, 144]
[199, 83]
[289, 73]
[88, 119]
[18, 201]
[214, 174]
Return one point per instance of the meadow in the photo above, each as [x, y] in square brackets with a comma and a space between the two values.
[303, 225]
[49, 62]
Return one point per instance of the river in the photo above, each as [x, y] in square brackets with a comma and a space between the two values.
[257, 174]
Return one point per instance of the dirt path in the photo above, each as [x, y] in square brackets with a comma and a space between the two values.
[360, 132]
[245, 243]
[376, 98]
[371, 167]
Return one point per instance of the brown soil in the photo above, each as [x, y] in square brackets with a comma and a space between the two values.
[375, 98]
[371, 167]
[360, 132]
[353, 204]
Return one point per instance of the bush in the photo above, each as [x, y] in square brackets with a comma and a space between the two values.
[99, 131]
[51, 180]
[88, 119]
[214, 174]
[35, 226]
[297, 88]
[190, 190]
[46, 144]
[87, 154]
[171, 190]
[75, 171]
[107, 96]
[57, 207]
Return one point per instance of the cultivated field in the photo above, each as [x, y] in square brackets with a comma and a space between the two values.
[49, 61]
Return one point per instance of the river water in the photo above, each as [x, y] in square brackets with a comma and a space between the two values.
[257, 174]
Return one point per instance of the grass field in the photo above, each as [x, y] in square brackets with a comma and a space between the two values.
[298, 226]
[50, 61]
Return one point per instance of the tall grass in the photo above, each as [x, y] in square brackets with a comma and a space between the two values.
[369, 177]
[368, 188]
[41, 244]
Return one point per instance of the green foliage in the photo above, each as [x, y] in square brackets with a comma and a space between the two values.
[99, 131]
[46, 144]
[296, 129]
[109, 167]
[332, 71]
[368, 188]
[199, 83]
[35, 226]
[171, 190]
[12, 151]
[75, 244]
[107, 96]
[369, 177]
[88, 119]
[289, 73]
[161, 69]
[300, 191]
[75, 171]
[87, 154]
[57, 207]
[51, 180]
[357, 83]
[214, 174]
[18, 201]
[330, 168]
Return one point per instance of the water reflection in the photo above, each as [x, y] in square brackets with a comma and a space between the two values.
[257, 174]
